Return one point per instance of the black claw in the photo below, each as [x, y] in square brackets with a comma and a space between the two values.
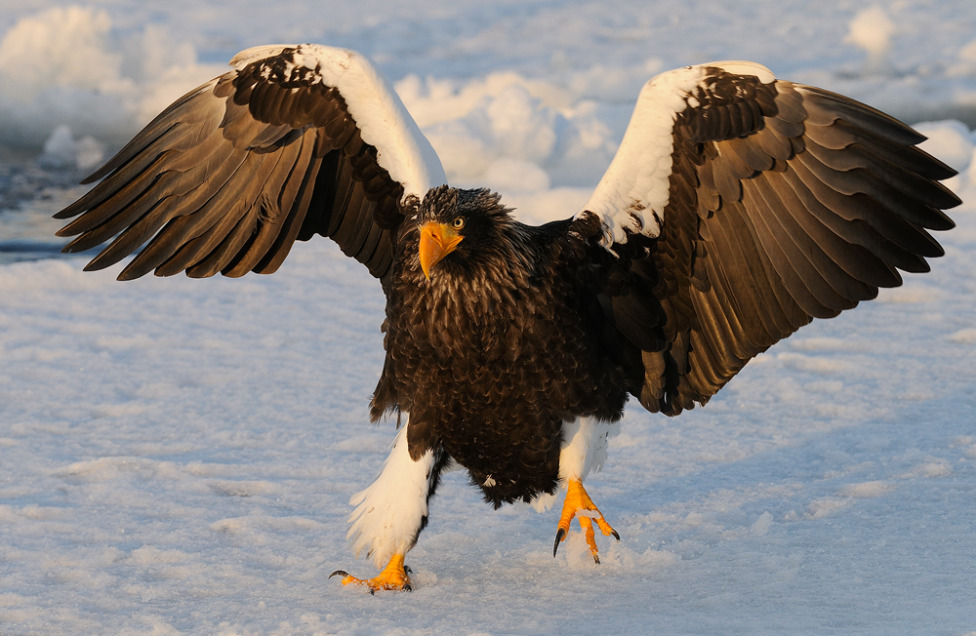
[560, 533]
[616, 535]
[406, 568]
[596, 559]
[342, 573]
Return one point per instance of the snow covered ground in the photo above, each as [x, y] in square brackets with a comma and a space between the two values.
[176, 456]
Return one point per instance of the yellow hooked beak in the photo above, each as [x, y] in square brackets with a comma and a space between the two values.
[437, 240]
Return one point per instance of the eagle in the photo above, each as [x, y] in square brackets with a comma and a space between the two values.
[737, 208]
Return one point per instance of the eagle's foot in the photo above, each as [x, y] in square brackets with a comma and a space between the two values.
[578, 504]
[395, 576]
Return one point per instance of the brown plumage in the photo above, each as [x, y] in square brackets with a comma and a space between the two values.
[780, 203]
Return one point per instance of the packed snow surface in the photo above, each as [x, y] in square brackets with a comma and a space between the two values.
[177, 456]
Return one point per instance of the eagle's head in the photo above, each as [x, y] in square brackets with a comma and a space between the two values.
[462, 231]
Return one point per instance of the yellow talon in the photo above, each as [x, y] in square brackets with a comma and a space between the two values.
[578, 502]
[393, 577]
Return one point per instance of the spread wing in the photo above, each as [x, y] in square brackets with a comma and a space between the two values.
[295, 141]
[743, 207]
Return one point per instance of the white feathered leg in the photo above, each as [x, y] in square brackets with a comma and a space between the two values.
[584, 449]
[391, 512]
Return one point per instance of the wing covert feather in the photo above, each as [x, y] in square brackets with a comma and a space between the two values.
[285, 146]
[784, 203]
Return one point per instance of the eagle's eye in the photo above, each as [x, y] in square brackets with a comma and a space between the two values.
[458, 222]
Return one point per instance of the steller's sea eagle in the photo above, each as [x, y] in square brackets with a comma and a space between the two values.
[738, 208]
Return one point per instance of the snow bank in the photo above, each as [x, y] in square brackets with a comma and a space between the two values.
[559, 108]
[872, 30]
[66, 66]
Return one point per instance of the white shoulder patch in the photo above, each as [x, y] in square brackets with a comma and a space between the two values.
[633, 193]
[383, 120]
